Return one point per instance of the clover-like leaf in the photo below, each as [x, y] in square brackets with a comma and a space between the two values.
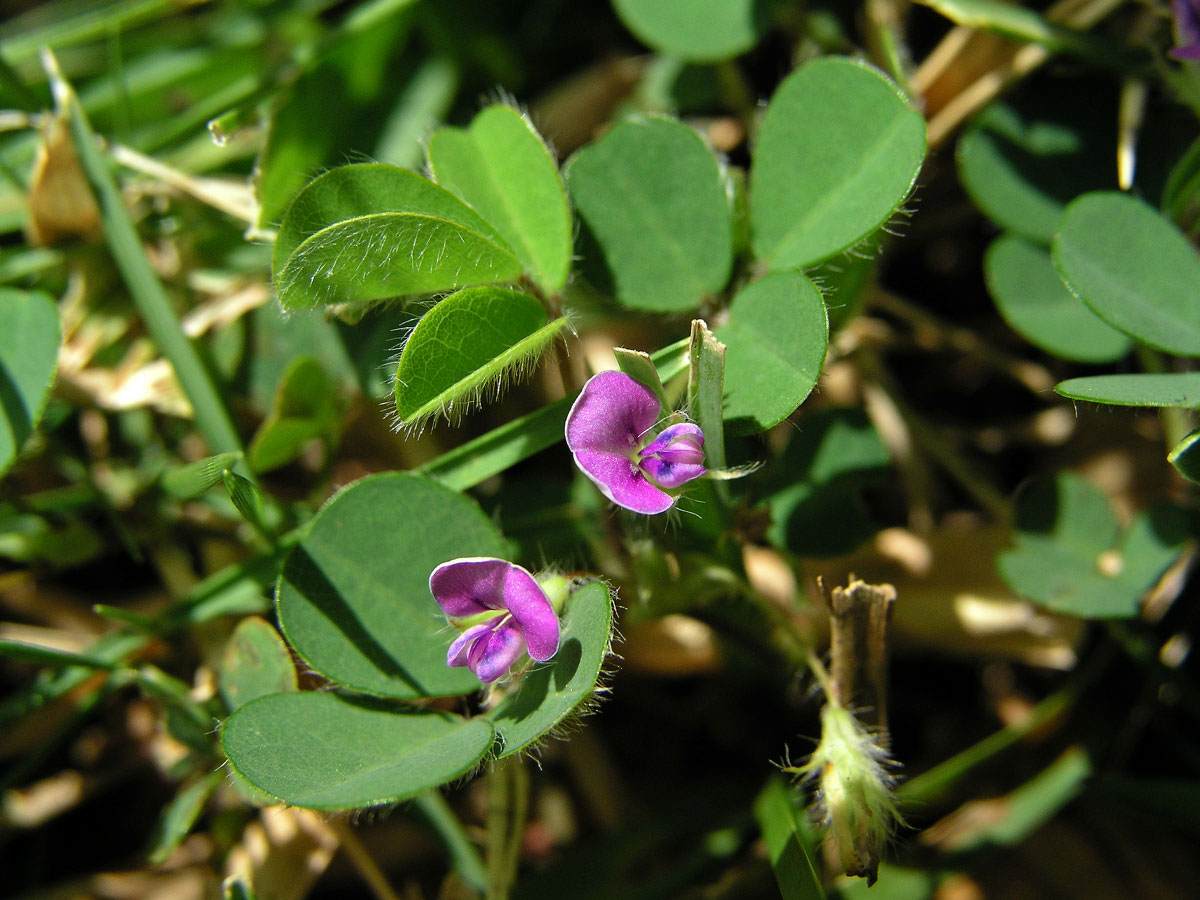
[326, 751]
[814, 489]
[1033, 300]
[501, 167]
[468, 344]
[370, 231]
[1180, 389]
[354, 597]
[1022, 161]
[256, 662]
[654, 199]
[1070, 556]
[695, 30]
[838, 152]
[1133, 268]
[775, 341]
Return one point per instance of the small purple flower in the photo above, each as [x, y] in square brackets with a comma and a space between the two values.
[516, 616]
[1187, 29]
[609, 433]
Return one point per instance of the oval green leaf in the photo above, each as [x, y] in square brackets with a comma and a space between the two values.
[28, 359]
[256, 663]
[470, 341]
[370, 231]
[1069, 558]
[354, 597]
[695, 30]
[1033, 300]
[655, 200]
[1133, 268]
[325, 751]
[1022, 162]
[1180, 389]
[838, 152]
[501, 167]
[775, 342]
[551, 693]
[305, 408]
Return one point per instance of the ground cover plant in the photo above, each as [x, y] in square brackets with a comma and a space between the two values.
[713, 449]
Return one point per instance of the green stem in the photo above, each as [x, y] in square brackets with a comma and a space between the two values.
[212, 419]
[464, 858]
[508, 806]
[929, 786]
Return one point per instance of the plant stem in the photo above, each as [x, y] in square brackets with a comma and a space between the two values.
[508, 806]
[464, 858]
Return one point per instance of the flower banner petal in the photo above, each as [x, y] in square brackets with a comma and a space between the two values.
[469, 586]
[611, 414]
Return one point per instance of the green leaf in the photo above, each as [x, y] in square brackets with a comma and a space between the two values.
[470, 342]
[51, 658]
[654, 198]
[814, 490]
[1033, 300]
[637, 365]
[1069, 558]
[28, 359]
[502, 169]
[1185, 457]
[354, 597]
[552, 692]
[1012, 22]
[370, 231]
[326, 751]
[256, 663]
[305, 408]
[247, 500]
[181, 814]
[775, 342]
[788, 852]
[1133, 268]
[838, 152]
[1139, 389]
[695, 30]
[193, 479]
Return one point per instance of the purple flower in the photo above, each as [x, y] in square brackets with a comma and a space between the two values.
[513, 614]
[609, 433]
[1187, 29]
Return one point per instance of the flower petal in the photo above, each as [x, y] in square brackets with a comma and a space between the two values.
[611, 414]
[460, 651]
[469, 586]
[669, 474]
[494, 655]
[681, 443]
[531, 609]
[623, 482]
